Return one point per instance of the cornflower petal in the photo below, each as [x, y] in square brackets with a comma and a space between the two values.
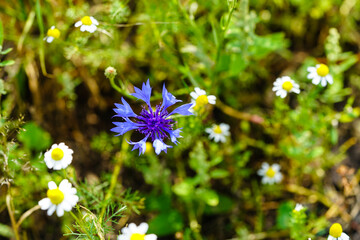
[144, 93]
[123, 127]
[168, 99]
[174, 135]
[159, 146]
[141, 145]
[183, 110]
[124, 110]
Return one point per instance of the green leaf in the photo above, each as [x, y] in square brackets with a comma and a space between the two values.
[219, 173]
[210, 197]
[166, 223]
[225, 205]
[34, 137]
[6, 51]
[183, 189]
[7, 63]
[6, 231]
[284, 215]
[2, 87]
[1, 34]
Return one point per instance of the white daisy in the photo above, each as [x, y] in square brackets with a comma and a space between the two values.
[218, 132]
[270, 174]
[62, 198]
[320, 74]
[87, 24]
[298, 207]
[51, 34]
[58, 157]
[285, 84]
[336, 233]
[133, 232]
[200, 99]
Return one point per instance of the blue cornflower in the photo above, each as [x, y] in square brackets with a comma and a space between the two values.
[154, 124]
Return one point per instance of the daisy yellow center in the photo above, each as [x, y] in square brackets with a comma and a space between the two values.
[86, 20]
[270, 172]
[287, 85]
[57, 154]
[322, 70]
[335, 230]
[217, 129]
[55, 33]
[55, 195]
[137, 236]
[202, 100]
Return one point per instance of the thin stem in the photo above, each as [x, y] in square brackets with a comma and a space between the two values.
[12, 217]
[26, 214]
[80, 224]
[120, 90]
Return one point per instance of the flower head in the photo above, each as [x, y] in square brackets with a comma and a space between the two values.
[298, 207]
[270, 174]
[110, 72]
[218, 132]
[62, 198]
[336, 233]
[58, 157]
[51, 34]
[133, 232]
[155, 124]
[285, 84]
[87, 24]
[200, 99]
[320, 74]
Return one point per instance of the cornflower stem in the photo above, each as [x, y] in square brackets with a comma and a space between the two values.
[12, 217]
[114, 177]
[119, 89]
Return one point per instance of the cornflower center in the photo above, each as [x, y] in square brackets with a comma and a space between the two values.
[86, 20]
[287, 85]
[322, 70]
[56, 196]
[270, 172]
[57, 154]
[155, 123]
[335, 230]
[55, 33]
[137, 236]
[217, 129]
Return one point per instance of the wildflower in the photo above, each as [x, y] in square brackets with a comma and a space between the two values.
[298, 207]
[87, 24]
[51, 34]
[154, 124]
[336, 233]
[58, 157]
[200, 99]
[285, 84]
[62, 198]
[320, 74]
[110, 72]
[133, 232]
[271, 174]
[218, 132]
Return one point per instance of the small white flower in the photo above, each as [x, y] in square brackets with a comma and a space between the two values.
[270, 174]
[336, 233]
[87, 24]
[200, 99]
[51, 34]
[58, 157]
[285, 84]
[133, 232]
[298, 207]
[320, 74]
[62, 198]
[218, 132]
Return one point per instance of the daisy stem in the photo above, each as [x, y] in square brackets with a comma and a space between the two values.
[11, 211]
[80, 224]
